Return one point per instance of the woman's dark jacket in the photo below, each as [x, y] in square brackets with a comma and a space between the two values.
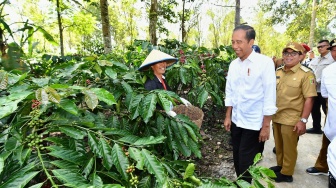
[155, 84]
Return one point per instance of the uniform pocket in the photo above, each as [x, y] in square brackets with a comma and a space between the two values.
[293, 88]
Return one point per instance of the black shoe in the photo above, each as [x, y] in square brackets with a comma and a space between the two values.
[314, 171]
[314, 131]
[276, 168]
[274, 151]
[283, 178]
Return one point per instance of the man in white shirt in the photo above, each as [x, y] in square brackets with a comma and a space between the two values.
[332, 164]
[328, 90]
[317, 65]
[250, 99]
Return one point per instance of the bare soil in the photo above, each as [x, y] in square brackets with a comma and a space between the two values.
[217, 160]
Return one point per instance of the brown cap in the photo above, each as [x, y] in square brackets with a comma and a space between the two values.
[294, 46]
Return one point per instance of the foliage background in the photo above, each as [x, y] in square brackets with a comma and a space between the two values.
[85, 120]
[209, 23]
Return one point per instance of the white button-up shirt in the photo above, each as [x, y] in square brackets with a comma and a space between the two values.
[317, 65]
[328, 90]
[251, 90]
[331, 157]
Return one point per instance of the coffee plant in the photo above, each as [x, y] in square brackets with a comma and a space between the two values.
[91, 123]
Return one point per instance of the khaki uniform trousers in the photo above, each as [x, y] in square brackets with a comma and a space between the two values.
[321, 163]
[286, 141]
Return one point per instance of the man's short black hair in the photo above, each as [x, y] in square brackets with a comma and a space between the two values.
[327, 41]
[250, 32]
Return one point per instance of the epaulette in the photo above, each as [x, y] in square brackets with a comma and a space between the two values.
[304, 68]
[279, 68]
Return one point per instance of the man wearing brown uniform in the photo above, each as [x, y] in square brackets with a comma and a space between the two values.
[296, 90]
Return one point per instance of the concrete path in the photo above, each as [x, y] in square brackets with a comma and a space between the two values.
[308, 150]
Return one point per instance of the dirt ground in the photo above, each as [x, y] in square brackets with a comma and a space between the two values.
[217, 158]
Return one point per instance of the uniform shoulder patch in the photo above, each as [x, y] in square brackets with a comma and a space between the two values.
[306, 69]
[311, 79]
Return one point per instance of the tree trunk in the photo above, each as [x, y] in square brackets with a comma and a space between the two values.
[183, 23]
[3, 45]
[200, 31]
[312, 24]
[215, 35]
[60, 27]
[153, 17]
[106, 26]
[237, 16]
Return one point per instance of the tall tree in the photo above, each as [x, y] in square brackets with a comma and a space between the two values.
[214, 27]
[76, 23]
[3, 42]
[189, 16]
[124, 16]
[237, 16]
[184, 33]
[105, 26]
[295, 14]
[60, 27]
[195, 34]
[153, 18]
[160, 13]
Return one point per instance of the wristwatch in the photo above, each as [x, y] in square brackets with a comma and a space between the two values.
[304, 120]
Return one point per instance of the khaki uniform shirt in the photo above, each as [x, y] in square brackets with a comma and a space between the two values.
[293, 87]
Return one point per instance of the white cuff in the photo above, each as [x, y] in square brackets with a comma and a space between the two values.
[171, 113]
[185, 102]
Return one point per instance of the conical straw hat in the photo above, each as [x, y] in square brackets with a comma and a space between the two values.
[157, 56]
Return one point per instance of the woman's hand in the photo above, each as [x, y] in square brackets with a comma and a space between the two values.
[171, 113]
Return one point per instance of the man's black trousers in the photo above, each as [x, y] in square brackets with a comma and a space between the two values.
[246, 145]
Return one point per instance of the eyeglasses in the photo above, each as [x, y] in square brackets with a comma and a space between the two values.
[292, 54]
[322, 46]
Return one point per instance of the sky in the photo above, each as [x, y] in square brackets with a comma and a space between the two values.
[247, 9]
